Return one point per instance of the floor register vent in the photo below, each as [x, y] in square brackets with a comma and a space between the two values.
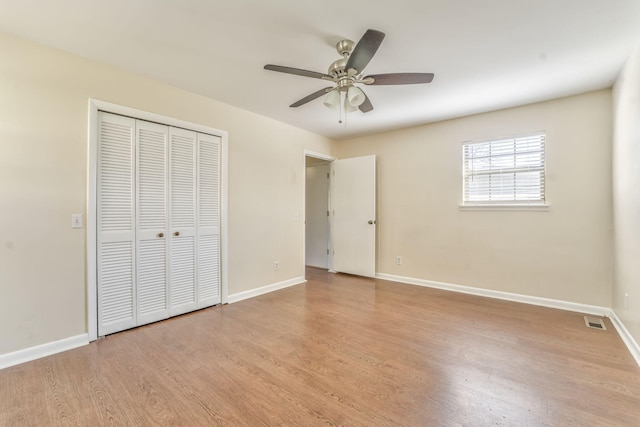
[594, 322]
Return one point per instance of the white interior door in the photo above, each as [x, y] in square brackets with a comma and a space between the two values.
[152, 226]
[116, 269]
[353, 225]
[182, 220]
[208, 218]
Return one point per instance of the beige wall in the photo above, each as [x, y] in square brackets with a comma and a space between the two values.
[563, 254]
[43, 176]
[626, 194]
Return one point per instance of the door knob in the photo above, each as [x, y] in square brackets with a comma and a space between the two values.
[160, 234]
[177, 233]
[371, 221]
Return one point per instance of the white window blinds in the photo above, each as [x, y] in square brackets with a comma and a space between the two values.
[506, 171]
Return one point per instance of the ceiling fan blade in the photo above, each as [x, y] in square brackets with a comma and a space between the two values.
[297, 72]
[364, 50]
[366, 106]
[399, 78]
[311, 97]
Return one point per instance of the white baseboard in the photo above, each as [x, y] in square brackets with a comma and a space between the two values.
[47, 349]
[33, 353]
[631, 343]
[595, 310]
[508, 296]
[42, 350]
[264, 289]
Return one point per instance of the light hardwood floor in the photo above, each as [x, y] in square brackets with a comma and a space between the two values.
[339, 350]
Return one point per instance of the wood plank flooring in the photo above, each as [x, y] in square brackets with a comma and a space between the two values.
[339, 350]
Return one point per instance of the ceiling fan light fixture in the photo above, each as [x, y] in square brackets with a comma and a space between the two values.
[356, 96]
[332, 100]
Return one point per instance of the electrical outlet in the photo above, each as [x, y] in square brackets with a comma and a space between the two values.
[276, 265]
[399, 260]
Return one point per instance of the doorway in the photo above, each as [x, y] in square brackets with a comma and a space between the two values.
[340, 214]
[317, 221]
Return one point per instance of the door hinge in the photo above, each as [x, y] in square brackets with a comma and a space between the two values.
[327, 251]
[327, 175]
[327, 213]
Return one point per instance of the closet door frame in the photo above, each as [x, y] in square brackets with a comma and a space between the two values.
[92, 192]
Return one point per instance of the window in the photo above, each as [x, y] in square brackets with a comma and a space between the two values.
[504, 172]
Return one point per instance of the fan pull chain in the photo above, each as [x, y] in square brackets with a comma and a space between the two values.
[346, 113]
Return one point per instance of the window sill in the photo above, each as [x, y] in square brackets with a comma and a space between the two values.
[514, 207]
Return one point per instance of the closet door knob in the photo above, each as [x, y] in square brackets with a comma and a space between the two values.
[160, 234]
[177, 233]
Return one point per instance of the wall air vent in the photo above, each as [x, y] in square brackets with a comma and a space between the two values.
[594, 322]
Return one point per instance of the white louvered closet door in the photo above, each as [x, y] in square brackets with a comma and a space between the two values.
[158, 222]
[152, 225]
[182, 220]
[116, 224]
[208, 230]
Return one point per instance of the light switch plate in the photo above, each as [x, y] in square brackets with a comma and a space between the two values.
[76, 220]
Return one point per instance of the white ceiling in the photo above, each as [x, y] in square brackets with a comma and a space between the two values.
[486, 55]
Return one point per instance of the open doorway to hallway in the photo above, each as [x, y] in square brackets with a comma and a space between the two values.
[317, 225]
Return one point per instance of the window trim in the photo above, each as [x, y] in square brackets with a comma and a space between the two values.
[507, 205]
[494, 207]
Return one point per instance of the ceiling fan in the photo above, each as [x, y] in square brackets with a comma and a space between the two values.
[348, 71]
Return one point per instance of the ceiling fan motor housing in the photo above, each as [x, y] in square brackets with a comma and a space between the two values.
[338, 68]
